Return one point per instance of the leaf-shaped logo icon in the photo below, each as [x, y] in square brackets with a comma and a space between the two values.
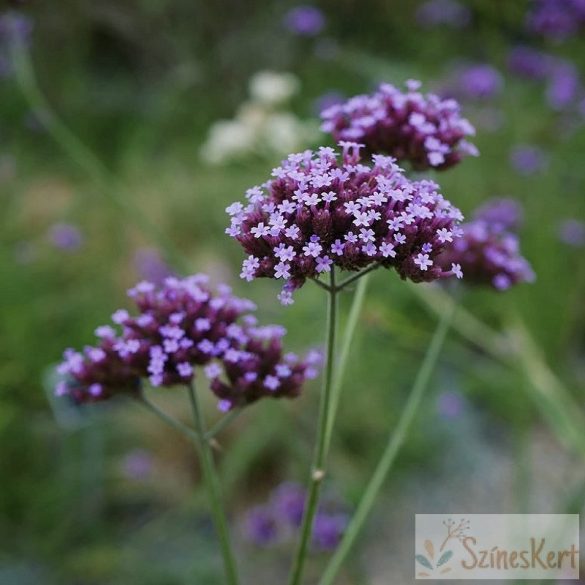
[424, 562]
[445, 557]
[430, 549]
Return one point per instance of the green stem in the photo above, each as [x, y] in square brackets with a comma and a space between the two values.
[396, 440]
[81, 155]
[352, 321]
[356, 276]
[224, 422]
[213, 489]
[321, 448]
[169, 420]
[519, 352]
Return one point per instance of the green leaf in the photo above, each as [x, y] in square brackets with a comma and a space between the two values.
[424, 562]
[445, 557]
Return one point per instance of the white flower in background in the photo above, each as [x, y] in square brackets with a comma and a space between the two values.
[260, 126]
[272, 88]
[227, 139]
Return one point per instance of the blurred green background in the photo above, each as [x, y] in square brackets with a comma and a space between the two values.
[103, 158]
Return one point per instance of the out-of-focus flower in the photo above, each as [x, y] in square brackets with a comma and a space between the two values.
[480, 82]
[66, 236]
[501, 213]
[328, 530]
[151, 266]
[180, 326]
[320, 212]
[15, 27]
[306, 20]
[556, 19]
[528, 160]
[137, 465]
[424, 130]
[450, 405]
[272, 88]
[488, 254]
[529, 63]
[261, 527]
[288, 503]
[278, 520]
[259, 127]
[325, 101]
[572, 232]
[443, 12]
[564, 85]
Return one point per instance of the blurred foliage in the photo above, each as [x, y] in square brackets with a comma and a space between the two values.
[140, 82]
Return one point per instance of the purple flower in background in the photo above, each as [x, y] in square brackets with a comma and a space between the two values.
[425, 130]
[328, 530]
[279, 519]
[319, 211]
[529, 63]
[501, 213]
[443, 12]
[480, 82]
[288, 502]
[556, 19]
[181, 325]
[66, 237]
[563, 86]
[488, 255]
[14, 27]
[572, 232]
[261, 527]
[306, 20]
[137, 464]
[325, 101]
[528, 160]
[151, 266]
[450, 405]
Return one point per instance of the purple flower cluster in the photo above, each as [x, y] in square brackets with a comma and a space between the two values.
[425, 130]
[306, 21]
[319, 212]
[563, 82]
[277, 521]
[557, 19]
[479, 82]
[501, 213]
[443, 13]
[528, 159]
[180, 326]
[489, 252]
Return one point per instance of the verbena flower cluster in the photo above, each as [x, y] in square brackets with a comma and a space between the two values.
[489, 251]
[277, 521]
[181, 325]
[320, 212]
[557, 19]
[425, 130]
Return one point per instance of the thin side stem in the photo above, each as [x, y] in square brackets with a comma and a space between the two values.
[395, 442]
[223, 423]
[82, 156]
[321, 284]
[352, 321]
[520, 352]
[168, 419]
[213, 489]
[356, 276]
[321, 447]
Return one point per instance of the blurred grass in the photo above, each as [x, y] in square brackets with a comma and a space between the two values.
[140, 83]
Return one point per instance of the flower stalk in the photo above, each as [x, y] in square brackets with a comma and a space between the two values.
[395, 442]
[213, 489]
[322, 445]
